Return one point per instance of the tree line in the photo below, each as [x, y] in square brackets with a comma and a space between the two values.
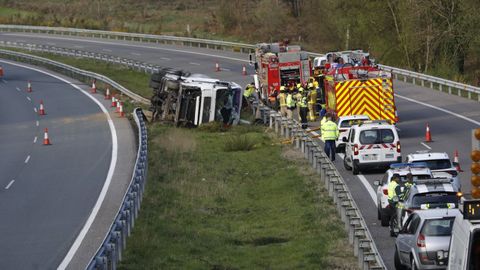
[438, 37]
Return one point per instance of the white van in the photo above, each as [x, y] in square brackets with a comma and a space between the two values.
[465, 241]
[372, 144]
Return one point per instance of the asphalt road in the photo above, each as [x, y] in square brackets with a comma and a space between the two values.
[450, 118]
[47, 192]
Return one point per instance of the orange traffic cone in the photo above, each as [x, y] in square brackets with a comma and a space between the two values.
[244, 71]
[122, 114]
[428, 135]
[456, 162]
[114, 102]
[94, 87]
[46, 140]
[217, 67]
[107, 93]
[29, 87]
[119, 103]
[41, 110]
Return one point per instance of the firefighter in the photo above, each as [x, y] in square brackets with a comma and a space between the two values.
[312, 100]
[248, 94]
[298, 98]
[290, 100]
[282, 100]
[303, 109]
[330, 135]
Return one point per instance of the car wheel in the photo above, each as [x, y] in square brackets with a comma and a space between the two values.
[396, 261]
[355, 169]
[384, 219]
[379, 215]
[348, 168]
[413, 265]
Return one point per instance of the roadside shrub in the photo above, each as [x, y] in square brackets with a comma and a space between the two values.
[239, 143]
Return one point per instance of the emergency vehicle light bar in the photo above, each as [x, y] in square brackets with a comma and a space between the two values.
[408, 165]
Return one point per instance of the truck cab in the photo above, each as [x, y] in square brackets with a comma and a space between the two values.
[193, 99]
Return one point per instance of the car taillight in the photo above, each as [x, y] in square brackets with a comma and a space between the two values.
[385, 191]
[421, 240]
[399, 148]
[355, 149]
[453, 173]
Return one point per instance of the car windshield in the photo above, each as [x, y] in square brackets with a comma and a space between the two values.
[351, 122]
[375, 136]
[435, 199]
[403, 178]
[475, 251]
[438, 227]
[436, 164]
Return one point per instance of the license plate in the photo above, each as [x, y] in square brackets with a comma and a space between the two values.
[389, 156]
[370, 157]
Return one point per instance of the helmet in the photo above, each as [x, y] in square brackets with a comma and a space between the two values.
[282, 88]
[300, 89]
[299, 85]
[310, 85]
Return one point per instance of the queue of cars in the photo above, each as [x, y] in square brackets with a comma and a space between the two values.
[426, 213]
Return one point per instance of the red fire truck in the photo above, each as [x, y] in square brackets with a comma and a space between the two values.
[279, 64]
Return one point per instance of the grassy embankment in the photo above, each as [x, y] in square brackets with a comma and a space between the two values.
[227, 200]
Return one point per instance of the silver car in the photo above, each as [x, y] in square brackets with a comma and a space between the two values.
[424, 240]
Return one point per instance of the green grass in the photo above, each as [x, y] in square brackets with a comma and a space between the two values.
[206, 207]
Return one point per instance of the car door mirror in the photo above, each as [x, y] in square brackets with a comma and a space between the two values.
[377, 183]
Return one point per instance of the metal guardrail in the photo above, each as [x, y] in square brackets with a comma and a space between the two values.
[110, 252]
[358, 233]
[70, 71]
[448, 86]
[130, 63]
[163, 39]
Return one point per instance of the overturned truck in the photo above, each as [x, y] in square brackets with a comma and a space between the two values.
[193, 99]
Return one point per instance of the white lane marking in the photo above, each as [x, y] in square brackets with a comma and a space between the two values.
[37, 123]
[165, 58]
[21, 40]
[5, 81]
[10, 184]
[113, 163]
[226, 69]
[362, 178]
[51, 43]
[134, 53]
[18, 89]
[78, 46]
[440, 109]
[29, 99]
[35, 139]
[426, 145]
[195, 64]
[141, 46]
[35, 109]
[106, 50]
[27, 159]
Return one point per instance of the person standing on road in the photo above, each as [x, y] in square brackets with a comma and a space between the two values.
[330, 135]
[282, 100]
[303, 107]
[290, 104]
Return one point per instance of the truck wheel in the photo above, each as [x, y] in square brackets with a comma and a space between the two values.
[348, 168]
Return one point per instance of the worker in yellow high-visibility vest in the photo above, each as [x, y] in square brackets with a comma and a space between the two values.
[330, 135]
[282, 100]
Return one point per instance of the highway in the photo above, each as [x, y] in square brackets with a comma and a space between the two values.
[47, 192]
[450, 118]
